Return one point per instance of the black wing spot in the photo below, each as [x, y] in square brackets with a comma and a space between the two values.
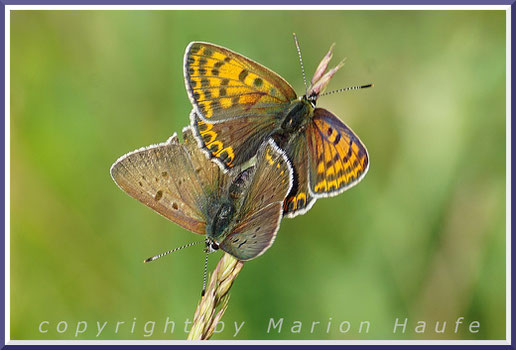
[174, 206]
[258, 82]
[243, 74]
[158, 195]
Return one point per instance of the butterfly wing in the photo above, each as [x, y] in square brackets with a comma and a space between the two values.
[299, 200]
[176, 180]
[212, 180]
[231, 143]
[338, 159]
[224, 85]
[260, 214]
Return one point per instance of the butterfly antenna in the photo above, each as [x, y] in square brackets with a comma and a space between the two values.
[205, 273]
[300, 61]
[155, 257]
[347, 89]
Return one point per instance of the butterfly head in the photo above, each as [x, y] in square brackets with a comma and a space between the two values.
[211, 246]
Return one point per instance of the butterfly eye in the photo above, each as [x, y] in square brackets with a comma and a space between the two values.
[312, 99]
[214, 246]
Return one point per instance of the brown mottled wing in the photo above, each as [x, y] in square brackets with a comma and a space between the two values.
[255, 235]
[338, 159]
[259, 216]
[299, 200]
[231, 143]
[224, 85]
[174, 179]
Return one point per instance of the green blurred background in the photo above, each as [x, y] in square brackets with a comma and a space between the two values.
[421, 237]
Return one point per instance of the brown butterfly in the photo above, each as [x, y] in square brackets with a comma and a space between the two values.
[239, 212]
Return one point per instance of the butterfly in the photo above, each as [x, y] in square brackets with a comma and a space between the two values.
[239, 212]
[238, 104]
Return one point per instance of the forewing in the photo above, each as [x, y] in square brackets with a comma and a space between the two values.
[175, 179]
[259, 216]
[161, 177]
[224, 85]
[338, 159]
[299, 200]
[231, 143]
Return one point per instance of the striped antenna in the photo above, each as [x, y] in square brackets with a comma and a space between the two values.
[347, 89]
[205, 273]
[155, 257]
[301, 61]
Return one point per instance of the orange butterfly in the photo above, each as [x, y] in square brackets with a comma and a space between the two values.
[239, 104]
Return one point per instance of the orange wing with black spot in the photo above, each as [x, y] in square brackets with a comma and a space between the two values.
[299, 200]
[338, 159]
[231, 143]
[224, 85]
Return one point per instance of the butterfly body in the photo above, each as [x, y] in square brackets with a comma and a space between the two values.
[238, 104]
[221, 215]
[297, 117]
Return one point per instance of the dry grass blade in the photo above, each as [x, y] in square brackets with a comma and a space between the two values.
[215, 301]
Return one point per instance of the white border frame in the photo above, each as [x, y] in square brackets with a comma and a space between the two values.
[9, 8]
